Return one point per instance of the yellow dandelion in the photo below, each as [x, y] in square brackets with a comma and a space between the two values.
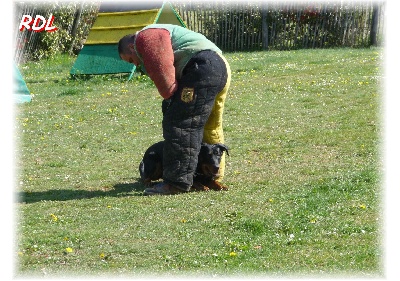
[362, 206]
[102, 255]
[232, 254]
[54, 217]
[69, 250]
[183, 220]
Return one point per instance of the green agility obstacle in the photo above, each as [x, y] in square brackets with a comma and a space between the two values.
[21, 92]
[100, 55]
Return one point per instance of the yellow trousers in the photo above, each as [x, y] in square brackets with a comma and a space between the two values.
[213, 132]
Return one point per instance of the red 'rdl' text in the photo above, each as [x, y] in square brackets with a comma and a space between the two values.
[38, 24]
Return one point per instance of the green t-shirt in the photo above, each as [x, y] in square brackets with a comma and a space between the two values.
[185, 44]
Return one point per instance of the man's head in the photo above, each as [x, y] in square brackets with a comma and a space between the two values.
[126, 49]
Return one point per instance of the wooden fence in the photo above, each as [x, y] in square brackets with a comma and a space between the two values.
[241, 26]
[233, 26]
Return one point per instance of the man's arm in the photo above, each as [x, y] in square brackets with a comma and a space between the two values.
[155, 48]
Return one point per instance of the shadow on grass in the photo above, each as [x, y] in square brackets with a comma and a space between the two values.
[118, 190]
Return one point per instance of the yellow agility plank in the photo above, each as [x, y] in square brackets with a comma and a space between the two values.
[125, 18]
[110, 27]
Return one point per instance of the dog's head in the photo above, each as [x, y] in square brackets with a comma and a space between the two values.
[210, 159]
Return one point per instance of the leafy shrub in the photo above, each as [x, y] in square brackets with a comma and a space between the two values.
[32, 45]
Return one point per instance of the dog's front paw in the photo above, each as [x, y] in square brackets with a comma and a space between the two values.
[199, 187]
[215, 185]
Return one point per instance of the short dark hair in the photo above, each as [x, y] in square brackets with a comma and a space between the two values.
[123, 43]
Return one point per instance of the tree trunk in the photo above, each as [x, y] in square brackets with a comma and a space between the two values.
[75, 24]
[264, 27]
[374, 24]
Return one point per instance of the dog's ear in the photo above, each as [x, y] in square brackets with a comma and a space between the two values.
[141, 170]
[223, 148]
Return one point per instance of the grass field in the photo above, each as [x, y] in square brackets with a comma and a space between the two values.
[304, 171]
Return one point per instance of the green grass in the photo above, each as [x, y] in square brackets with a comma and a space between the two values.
[304, 131]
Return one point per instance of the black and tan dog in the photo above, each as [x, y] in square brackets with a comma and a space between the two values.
[151, 168]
